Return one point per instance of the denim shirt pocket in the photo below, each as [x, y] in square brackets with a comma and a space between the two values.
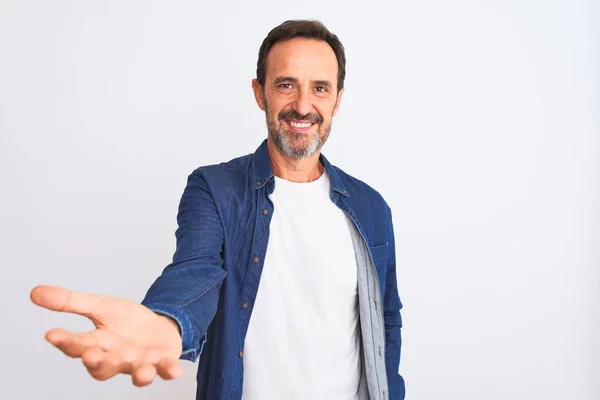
[380, 255]
[379, 252]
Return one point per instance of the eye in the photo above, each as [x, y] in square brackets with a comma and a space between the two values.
[285, 86]
[321, 89]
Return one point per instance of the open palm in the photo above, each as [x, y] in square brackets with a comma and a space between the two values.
[129, 338]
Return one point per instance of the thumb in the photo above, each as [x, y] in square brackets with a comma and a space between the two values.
[64, 300]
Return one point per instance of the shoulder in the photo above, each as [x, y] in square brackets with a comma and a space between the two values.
[223, 177]
[231, 165]
[229, 168]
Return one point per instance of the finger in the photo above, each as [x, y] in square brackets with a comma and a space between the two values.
[169, 368]
[69, 343]
[143, 374]
[107, 365]
[92, 357]
[166, 367]
[64, 300]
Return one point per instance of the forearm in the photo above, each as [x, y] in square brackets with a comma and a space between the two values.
[190, 301]
[393, 321]
[188, 289]
[393, 338]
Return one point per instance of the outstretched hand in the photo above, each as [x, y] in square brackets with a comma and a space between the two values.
[129, 338]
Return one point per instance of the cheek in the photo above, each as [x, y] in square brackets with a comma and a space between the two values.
[273, 113]
[326, 109]
[274, 106]
[326, 114]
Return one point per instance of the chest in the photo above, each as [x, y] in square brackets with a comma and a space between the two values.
[310, 249]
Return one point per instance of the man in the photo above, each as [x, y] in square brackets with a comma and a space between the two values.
[324, 323]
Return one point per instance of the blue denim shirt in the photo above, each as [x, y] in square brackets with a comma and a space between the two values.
[210, 287]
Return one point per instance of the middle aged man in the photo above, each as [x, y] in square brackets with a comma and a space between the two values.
[283, 282]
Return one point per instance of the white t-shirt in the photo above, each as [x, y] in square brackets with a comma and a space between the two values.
[303, 341]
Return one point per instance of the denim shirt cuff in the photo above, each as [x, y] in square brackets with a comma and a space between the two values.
[189, 345]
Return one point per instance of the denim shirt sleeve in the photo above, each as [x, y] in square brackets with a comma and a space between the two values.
[188, 288]
[393, 320]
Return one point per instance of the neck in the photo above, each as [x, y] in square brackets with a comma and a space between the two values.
[305, 170]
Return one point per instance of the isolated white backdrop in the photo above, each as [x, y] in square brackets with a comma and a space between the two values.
[477, 120]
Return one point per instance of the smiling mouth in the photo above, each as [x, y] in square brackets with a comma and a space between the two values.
[299, 126]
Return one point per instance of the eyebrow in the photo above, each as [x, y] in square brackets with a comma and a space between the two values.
[282, 79]
[323, 83]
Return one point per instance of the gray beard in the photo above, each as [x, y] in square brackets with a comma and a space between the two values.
[282, 140]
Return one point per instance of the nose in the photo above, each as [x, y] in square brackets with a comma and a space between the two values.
[302, 104]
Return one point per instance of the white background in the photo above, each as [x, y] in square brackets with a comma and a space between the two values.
[477, 120]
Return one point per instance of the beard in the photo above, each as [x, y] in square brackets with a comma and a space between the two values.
[298, 145]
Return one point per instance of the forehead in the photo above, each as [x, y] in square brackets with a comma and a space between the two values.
[302, 58]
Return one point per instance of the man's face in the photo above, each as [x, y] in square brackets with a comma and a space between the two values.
[300, 95]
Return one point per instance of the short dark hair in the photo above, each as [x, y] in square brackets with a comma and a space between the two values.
[310, 29]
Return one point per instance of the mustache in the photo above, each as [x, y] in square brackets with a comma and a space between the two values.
[311, 117]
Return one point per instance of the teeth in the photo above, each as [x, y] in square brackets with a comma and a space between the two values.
[300, 124]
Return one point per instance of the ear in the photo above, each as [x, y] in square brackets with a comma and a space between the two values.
[338, 101]
[258, 94]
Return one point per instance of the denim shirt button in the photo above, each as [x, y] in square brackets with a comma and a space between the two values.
[265, 212]
[258, 183]
[241, 354]
[245, 304]
[256, 259]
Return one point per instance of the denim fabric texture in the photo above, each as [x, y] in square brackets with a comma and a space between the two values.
[210, 287]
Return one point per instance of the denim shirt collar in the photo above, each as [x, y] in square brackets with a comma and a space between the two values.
[263, 172]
